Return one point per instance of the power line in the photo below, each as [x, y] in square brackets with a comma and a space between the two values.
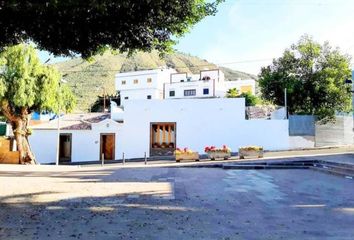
[178, 67]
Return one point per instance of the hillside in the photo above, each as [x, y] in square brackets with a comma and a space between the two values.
[87, 77]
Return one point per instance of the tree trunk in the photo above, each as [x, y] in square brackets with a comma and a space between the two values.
[19, 123]
[21, 136]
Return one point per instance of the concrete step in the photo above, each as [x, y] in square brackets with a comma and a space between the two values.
[337, 172]
[335, 164]
[349, 169]
[254, 166]
[279, 162]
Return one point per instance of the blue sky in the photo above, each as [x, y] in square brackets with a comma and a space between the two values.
[252, 32]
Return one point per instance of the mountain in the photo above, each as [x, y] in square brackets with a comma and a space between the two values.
[89, 78]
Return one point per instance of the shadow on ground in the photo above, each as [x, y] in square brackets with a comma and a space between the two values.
[176, 203]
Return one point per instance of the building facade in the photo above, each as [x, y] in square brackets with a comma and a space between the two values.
[160, 111]
[141, 85]
[156, 128]
[166, 83]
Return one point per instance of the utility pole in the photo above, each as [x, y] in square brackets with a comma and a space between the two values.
[286, 103]
[58, 124]
[104, 99]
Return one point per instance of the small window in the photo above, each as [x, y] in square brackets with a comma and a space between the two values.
[136, 81]
[206, 91]
[148, 97]
[149, 80]
[189, 92]
[124, 82]
[182, 80]
[172, 93]
[126, 97]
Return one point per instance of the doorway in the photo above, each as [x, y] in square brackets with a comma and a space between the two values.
[65, 144]
[107, 146]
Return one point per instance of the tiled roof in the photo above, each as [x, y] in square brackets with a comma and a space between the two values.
[81, 121]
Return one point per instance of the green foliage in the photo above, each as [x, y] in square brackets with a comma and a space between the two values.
[87, 78]
[97, 106]
[232, 93]
[314, 76]
[88, 27]
[250, 99]
[26, 85]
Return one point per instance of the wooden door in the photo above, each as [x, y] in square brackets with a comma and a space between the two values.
[107, 146]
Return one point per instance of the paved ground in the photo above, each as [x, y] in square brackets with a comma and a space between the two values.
[45, 202]
[275, 155]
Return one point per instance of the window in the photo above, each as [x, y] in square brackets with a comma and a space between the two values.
[124, 82]
[163, 135]
[206, 91]
[189, 92]
[126, 97]
[172, 93]
[148, 97]
[136, 81]
[149, 80]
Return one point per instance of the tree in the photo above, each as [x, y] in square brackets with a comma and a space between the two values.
[97, 106]
[69, 27]
[232, 93]
[250, 99]
[313, 75]
[26, 86]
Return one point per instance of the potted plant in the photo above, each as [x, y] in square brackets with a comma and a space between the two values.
[185, 154]
[214, 152]
[250, 151]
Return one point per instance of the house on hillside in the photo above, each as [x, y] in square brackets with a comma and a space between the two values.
[166, 83]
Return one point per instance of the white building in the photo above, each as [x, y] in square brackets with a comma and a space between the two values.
[156, 127]
[209, 83]
[161, 110]
[140, 85]
[168, 84]
[83, 137]
[161, 126]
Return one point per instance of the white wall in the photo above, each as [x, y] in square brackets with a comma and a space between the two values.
[300, 142]
[199, 122]
[85, 143]
[139, 94]
[179, 88]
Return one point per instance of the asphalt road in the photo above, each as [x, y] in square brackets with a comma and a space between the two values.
[174, 203]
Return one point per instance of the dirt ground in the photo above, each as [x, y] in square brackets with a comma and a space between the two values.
[173, 203]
